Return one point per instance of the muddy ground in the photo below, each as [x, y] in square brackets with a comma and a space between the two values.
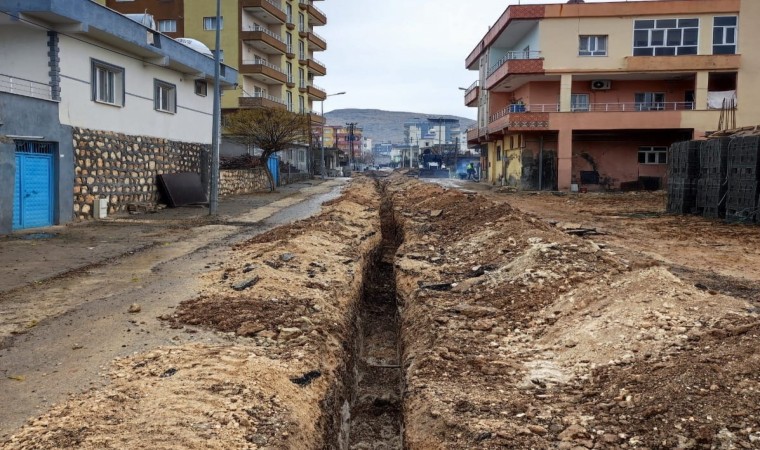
[409, 315]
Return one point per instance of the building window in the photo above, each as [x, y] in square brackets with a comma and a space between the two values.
[107, 83]
[301, 22]
[592, 46]
[164, 97]
[665, 37]
[653, 155]
[209, 23]
[201, 88]
[289, 13]
[498, 153]
[301, 79]
[649, 101]
[579, 102]
[167, 26]
[290, 101]
[301, 104]
[289, 42]
[724, 35]
[301, 50]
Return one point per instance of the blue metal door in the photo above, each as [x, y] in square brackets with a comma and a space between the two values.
[33, 187]
[274, 166]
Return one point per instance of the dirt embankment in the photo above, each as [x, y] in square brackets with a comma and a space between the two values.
[286, 301]
[517, 335]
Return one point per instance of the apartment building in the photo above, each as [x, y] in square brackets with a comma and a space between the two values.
[591, 95]
[272, 43]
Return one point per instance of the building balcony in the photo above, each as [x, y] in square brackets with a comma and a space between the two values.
[266, 11]
[316, 92]
[261, 101]
[27, 88]
[316, 66]
[290, 83]
[264, 40]
[682, 63]
[471, 95]
[514, 63]
[302, 88]
[263, 71]
[316, 15]
[289, 52]
[316, 41]
[315, 118]
[473, 134]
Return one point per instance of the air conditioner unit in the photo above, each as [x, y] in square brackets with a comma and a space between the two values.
[600, 85]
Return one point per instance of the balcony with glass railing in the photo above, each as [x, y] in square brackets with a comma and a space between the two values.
[261, 100]
[317, 15]
[316, 93]
[317, 67]
[316, 40]
[27, 88]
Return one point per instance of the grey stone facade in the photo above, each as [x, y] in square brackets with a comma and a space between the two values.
[124, 168]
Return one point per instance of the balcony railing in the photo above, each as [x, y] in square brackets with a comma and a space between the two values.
[263, 62]
[472, 87]
[266, 31]
[318, 62]
[22, 86]
[318, 36]
[266, 97]
[593, 107]
[277, 4]
[512, 56]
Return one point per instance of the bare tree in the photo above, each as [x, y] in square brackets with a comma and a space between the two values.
[270, 129]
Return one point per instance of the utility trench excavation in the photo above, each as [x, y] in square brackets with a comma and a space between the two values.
[411, 316]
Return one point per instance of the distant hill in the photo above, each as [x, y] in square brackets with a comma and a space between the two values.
[383, 126]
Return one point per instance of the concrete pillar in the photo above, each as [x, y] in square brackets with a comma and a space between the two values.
[700, 90]
[565, 92]
[564, 159]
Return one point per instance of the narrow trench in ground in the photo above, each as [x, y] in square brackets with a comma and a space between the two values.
[376, 419]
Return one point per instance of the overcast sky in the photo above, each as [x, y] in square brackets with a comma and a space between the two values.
[404, 55]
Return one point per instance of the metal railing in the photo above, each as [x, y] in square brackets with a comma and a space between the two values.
[311, 3]
[22, 86]
[318, 62]
[290, 48]
[472, 86]
[513, 56]
[277, 4]
[265, 96]
[317, 36]
[318, 88]
[593, 107]
[263, 62]
[267, 31]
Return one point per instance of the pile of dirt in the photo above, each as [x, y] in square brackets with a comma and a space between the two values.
[518, 335]
[285, 301]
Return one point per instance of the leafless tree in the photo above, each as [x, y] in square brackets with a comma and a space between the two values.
[269, 129]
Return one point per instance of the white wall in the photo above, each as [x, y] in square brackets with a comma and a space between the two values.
[191, 123]
[24, 53]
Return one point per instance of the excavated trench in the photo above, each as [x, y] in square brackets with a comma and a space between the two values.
[371, 414]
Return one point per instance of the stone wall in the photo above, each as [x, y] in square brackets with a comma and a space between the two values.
[243, 181]
[125, 168]
[294, 178]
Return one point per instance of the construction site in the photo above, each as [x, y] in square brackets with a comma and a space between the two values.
[414, 315]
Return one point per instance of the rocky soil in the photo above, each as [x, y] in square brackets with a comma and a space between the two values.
[513, 332]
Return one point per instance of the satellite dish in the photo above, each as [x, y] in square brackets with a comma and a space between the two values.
[196, 45]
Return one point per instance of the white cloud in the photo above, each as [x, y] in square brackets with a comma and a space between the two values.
[404, 55]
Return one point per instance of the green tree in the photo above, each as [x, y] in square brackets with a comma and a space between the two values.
[269, 129]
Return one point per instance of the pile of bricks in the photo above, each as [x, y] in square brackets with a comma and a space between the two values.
[683, 174]
[743, 179]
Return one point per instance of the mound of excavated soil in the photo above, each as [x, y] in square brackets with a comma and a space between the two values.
[517, 335]
[285, 301]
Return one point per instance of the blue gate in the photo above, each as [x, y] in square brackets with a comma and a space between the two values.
[33, 186]
[274, 166]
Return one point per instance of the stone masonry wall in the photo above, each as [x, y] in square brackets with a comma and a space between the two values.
[124, 168]
[243, 181]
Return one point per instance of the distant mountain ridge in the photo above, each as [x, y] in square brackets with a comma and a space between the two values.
[383, 126]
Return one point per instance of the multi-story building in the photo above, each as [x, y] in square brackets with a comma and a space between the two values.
[594, 93]
[272, 43]
[93, 107]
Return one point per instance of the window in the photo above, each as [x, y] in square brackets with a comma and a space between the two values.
[167, 26]
[289, 42]
[301, 50]
[164, 97]
[579, 102]
[201, 88]
[289, 13]
[301, 79]
[498, 153]
[301, 104]
[289, 71]
[107, 83]
[649, 101]
[290, 101]
[209, 23]
[592, 46]
[724, 35]
[259, 91]
[665, 37]
[653, 155]
[301, 22]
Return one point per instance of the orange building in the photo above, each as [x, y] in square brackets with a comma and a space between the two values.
[592, 94]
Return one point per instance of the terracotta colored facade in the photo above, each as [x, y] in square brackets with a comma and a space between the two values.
[589, 95]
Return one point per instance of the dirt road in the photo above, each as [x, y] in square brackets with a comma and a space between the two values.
[507, 321]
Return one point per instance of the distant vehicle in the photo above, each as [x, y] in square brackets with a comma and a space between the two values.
[196, 45]
[371, 168]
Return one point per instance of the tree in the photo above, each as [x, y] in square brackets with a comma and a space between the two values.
[270, 129]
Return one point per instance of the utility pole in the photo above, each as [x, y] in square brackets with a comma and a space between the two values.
[215, 129]
[351, 159]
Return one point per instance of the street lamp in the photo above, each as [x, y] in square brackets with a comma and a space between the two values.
[322, 141]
